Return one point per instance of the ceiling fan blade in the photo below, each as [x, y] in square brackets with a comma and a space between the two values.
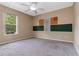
[36, 12]
[27, 10]
[29, 3]
[24, 5]
[41, 9]
[35, 3]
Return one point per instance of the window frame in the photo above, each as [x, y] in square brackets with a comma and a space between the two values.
[4, 27]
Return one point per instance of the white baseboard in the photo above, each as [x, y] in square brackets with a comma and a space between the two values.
[63, 40]
[11, 41]
[57, 40]
[77, 49]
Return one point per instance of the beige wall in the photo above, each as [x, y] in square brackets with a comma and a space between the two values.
[65, 16]
[24, 26]
[76, 28]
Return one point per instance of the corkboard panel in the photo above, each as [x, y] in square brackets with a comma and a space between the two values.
[41, 22]
[54, 20]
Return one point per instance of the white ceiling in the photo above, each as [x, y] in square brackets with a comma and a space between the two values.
[47, 6]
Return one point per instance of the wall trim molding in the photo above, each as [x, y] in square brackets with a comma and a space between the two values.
[36, 37]
[56, 40]
[77, 49]
[2, 43]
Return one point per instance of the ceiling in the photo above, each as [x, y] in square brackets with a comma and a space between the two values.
[47, 6]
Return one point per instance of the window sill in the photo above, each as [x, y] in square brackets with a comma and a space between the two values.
[11, 34]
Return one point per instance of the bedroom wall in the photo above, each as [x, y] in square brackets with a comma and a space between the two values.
[65, 16]
[24, 26]
[76, 27]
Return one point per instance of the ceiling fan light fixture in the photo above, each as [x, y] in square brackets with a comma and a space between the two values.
[32, 8]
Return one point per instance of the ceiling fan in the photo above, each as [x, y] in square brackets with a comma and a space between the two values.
[33, 6]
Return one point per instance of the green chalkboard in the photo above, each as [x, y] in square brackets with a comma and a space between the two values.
[61, 27]
[38, 28]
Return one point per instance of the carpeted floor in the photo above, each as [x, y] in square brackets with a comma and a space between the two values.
[37, 47]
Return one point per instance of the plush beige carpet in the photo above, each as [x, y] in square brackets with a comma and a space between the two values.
[38, 47]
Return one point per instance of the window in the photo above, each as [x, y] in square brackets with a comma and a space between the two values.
[10, 23]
